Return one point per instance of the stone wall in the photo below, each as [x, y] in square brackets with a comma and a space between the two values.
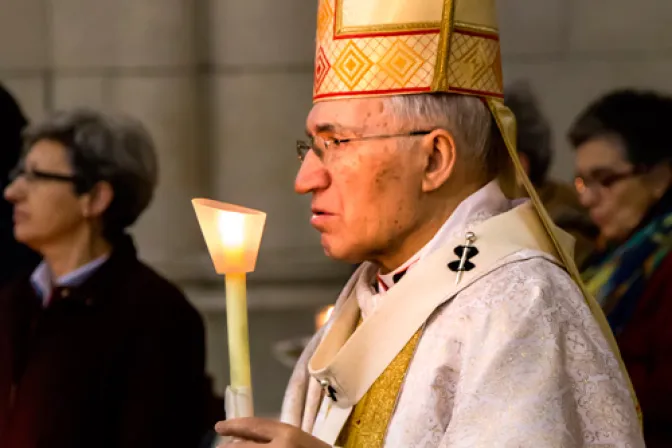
[224, 86]
[575, 50]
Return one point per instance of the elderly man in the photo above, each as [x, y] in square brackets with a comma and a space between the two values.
[463, 327]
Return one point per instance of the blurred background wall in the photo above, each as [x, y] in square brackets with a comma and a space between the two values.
[225, 85]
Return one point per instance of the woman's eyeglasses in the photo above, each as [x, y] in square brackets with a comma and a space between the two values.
[602, 179]
[36, 175]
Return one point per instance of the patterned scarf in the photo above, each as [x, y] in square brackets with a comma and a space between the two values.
[619, 279]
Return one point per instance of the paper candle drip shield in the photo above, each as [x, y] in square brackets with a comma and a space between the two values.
[232, 234]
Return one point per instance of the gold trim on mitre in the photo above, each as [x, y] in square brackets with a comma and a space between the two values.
[372, 48]
[441, 82]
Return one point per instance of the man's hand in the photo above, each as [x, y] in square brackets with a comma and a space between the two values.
[257, 432]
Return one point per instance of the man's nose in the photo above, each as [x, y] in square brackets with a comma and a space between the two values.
[312, 175]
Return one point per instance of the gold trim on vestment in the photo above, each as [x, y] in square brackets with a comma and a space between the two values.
[368, 423]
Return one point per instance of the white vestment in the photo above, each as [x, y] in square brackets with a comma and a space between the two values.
[514, 359]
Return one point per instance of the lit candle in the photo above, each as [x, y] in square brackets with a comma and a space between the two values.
[231, 228]
[233, 235]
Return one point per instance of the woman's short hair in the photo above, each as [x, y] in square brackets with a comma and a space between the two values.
[105, 147]
[639, 119]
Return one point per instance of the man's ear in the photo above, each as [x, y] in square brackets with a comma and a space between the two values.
[96, 201]
[441, 155]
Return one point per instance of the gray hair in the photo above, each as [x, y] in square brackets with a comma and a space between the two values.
[105, 147]
[466, 117]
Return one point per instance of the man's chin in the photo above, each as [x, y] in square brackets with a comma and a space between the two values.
[339, 253]
[329, 252]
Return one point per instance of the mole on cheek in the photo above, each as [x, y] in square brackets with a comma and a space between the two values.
[381, 176]
[396, 221]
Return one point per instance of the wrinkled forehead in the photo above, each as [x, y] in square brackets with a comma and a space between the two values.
[354, 115]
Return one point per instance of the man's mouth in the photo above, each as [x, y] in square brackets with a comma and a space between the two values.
[319, 212]
[320, 218]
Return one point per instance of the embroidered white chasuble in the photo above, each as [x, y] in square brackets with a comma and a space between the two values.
[511, 356]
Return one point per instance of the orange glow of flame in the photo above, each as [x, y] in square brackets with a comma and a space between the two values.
[323, 315]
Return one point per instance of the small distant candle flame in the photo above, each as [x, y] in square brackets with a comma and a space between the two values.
[231, 228]
[323, 316]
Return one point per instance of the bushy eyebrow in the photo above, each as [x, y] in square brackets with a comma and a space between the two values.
[331, 128]
[320, 128]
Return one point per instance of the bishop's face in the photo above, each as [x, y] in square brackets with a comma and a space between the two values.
[365, 193]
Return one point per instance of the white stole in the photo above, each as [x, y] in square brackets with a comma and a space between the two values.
[349, 360]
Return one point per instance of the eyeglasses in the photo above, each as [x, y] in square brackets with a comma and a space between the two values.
[36, 175]
[320, 145]
[604, 180]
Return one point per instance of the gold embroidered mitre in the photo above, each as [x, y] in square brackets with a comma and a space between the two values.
[399, 47]
[391, 47]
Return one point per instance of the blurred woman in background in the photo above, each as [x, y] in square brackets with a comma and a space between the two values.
[96, 349]
[624, 174]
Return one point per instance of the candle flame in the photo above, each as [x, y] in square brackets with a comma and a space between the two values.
[323, 316]
[231, 228]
